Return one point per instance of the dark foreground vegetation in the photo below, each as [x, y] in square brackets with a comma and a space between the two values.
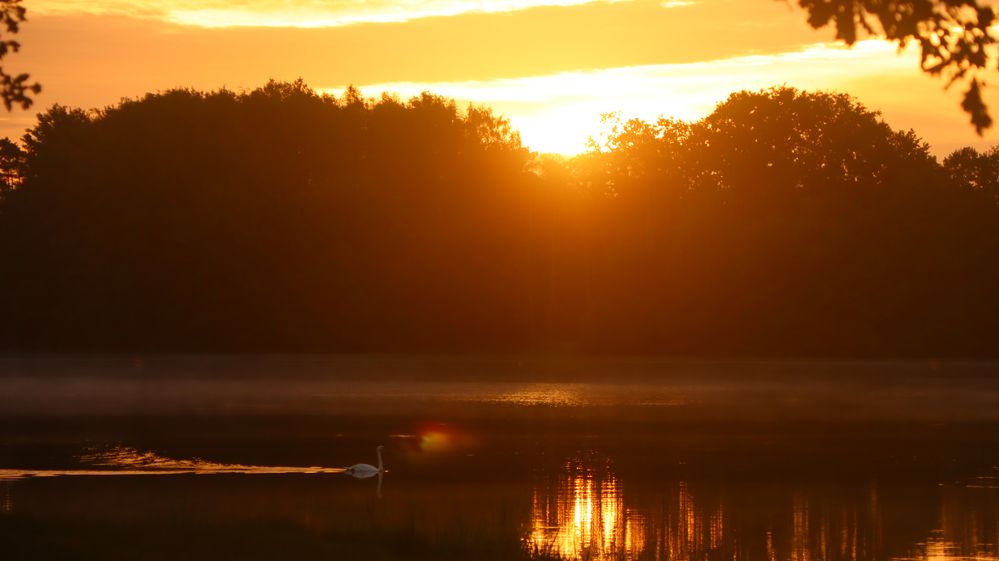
[784, 223]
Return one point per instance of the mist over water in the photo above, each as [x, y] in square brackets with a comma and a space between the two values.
[498, 458]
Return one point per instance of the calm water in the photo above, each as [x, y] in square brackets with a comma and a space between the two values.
[218, 458]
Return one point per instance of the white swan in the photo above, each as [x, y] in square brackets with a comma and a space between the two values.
[364, 471]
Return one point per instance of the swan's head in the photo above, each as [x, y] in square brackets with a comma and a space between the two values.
[380, 448]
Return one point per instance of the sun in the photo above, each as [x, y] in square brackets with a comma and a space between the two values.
[562, 130]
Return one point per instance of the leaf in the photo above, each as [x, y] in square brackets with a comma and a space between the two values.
[974, 105]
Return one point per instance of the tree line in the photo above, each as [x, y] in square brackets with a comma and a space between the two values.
[785, 223]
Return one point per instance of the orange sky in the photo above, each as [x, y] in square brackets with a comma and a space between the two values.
[552, 66]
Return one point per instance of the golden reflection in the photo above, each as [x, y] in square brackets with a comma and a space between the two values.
[553, 395]
[799, 541]
[121, 460]
[586, 512]
[691, 529]
[938, 548]
[584, 517]
[967, 527]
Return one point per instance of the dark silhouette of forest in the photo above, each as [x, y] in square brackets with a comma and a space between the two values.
[785, 223]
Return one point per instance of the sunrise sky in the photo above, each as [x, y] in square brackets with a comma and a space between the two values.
[551, 66]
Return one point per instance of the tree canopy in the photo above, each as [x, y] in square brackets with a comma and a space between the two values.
[784, 223]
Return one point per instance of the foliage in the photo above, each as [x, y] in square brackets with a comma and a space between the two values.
[784, 223]
[974, 170]
[11, 166]
[14, 88]
[954, 36]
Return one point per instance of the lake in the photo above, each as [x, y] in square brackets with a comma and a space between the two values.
[497, 458]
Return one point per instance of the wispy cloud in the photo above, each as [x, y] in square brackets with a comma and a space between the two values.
[294, 13]
[558, 112]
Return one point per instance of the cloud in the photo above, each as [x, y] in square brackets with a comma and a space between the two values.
[293, 13]
[551, 70]
[558, 112]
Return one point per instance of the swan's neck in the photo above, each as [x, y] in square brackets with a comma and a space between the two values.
[380, 468]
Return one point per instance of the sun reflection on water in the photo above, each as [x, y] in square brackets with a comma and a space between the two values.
[938, 548]
[584, 517]
[554, 395]
[586, 512]
[967, 527]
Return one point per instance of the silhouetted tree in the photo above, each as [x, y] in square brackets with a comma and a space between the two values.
[14, 88]
[975, 170]
[307, 220]
[787, 219]
[11, 165]
[955, 37]
[784, 223]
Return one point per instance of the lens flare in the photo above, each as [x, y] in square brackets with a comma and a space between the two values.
[435, 441]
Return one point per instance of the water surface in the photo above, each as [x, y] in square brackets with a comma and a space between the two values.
[220, 458]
